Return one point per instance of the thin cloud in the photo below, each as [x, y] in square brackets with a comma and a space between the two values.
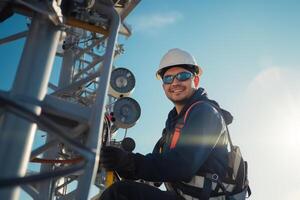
[152, 22]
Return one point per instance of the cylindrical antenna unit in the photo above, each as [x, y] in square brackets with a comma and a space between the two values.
[126, 112]
[122, 83]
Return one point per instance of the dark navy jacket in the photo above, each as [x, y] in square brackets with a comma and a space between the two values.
[202, 145]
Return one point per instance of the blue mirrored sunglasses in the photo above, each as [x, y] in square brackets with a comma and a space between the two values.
[182, 76]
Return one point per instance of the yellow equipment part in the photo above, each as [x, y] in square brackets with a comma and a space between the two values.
[109, 178]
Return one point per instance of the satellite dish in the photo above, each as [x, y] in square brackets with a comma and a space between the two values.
[122, 83]
[126, 112]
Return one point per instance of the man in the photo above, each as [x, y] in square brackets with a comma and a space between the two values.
[191, 157]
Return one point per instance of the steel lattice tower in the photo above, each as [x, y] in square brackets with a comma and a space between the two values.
[83, 34]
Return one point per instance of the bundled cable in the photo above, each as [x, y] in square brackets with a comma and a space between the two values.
[56, 161]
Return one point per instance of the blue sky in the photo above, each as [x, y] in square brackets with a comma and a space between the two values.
[249, 52]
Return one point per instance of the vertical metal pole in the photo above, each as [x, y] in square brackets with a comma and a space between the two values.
[66, 69]
[96, 120]
[31, 82]
[46, 189]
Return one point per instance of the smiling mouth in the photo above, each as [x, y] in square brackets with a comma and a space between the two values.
[177, 90]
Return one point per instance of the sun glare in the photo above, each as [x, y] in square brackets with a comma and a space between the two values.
[270, 124]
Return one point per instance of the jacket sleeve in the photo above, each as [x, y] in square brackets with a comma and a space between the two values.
[198, 137]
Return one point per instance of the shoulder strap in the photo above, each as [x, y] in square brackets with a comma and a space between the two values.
[227, 130]
[189, 109]
[219, 110]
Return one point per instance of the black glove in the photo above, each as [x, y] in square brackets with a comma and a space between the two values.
[113, 158]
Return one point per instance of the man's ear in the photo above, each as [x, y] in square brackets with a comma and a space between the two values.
[196, 81]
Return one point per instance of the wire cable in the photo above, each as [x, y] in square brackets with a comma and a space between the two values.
[46, 123]
[51, 127]
[54, 161]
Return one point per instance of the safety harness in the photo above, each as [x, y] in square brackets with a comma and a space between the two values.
[206, 185]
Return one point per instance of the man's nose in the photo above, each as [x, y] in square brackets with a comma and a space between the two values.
[175, 81]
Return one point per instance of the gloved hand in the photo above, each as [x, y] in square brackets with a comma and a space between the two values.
[113, 158]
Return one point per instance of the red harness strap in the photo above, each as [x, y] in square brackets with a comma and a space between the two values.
[176, 134]
[175, 137]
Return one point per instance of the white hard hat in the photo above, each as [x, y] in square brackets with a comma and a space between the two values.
[178, 57]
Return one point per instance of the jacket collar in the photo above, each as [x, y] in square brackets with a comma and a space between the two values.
[199, 95]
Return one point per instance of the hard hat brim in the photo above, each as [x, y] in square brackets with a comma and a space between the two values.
[196, 70]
